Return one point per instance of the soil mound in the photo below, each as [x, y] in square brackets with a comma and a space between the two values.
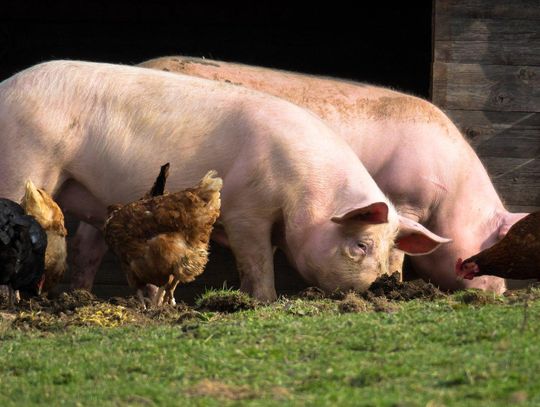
[390, 287]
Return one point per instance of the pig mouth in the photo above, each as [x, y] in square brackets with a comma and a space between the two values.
[466, 270]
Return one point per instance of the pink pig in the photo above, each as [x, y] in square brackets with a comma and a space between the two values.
[95, 134]
[414, 152]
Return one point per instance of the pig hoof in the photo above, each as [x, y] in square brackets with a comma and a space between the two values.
[263, 296]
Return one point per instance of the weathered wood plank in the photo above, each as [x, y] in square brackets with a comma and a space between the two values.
[489, 87]
[522, 208]
[500, 134]
[502, 9]
[519, 52]
[516, 179]
[480, 29]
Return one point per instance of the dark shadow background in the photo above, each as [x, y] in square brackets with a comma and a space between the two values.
[386, 44]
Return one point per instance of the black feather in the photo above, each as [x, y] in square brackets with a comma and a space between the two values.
[159, 186]
[22, 248]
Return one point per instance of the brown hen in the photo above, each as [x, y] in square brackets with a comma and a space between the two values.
[163, 240]
[39, 204]
[516, 256]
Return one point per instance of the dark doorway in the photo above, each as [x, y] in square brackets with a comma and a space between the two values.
[386, 44]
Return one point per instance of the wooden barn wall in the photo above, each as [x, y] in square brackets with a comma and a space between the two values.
[486, 76]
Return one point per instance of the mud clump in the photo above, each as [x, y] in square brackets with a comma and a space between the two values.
[381, 304]
[391, 288]
[64, 303]
[225, 301]
[69, 301]
[312, 294]
[172, 314]
[353, 304]
[128, 302]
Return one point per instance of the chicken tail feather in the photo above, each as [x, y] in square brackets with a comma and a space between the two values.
[159, 186]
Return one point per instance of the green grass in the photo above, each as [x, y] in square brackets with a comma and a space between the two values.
[296, 352]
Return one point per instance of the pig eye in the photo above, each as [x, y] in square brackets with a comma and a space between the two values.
[362, 247]
[357, 249]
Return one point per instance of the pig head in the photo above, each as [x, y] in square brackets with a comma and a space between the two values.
[355, 247]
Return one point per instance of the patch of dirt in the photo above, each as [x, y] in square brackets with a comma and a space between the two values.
[81, 308]
[172, 314]
[381, 304]
[280, 393]
[477, 297]
[36, 319]
[312, 293]
[353, 303]
[518, 397]
[128, 302]
[391, 288]
[225, 301]
[220, 390]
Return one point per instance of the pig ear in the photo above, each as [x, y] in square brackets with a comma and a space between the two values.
[375, 213]
[508, 220]
[414, 239]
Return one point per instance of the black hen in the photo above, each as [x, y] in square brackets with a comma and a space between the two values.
[22, 249]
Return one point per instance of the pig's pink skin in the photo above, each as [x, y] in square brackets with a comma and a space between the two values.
[413, 151]
[96, 134]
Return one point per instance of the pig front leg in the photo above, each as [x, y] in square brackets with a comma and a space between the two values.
[250, 241]
[396, 262]
[87, 249]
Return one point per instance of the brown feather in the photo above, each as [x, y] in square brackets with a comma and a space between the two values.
[156, 237]
[38, 203]
[516, 256]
